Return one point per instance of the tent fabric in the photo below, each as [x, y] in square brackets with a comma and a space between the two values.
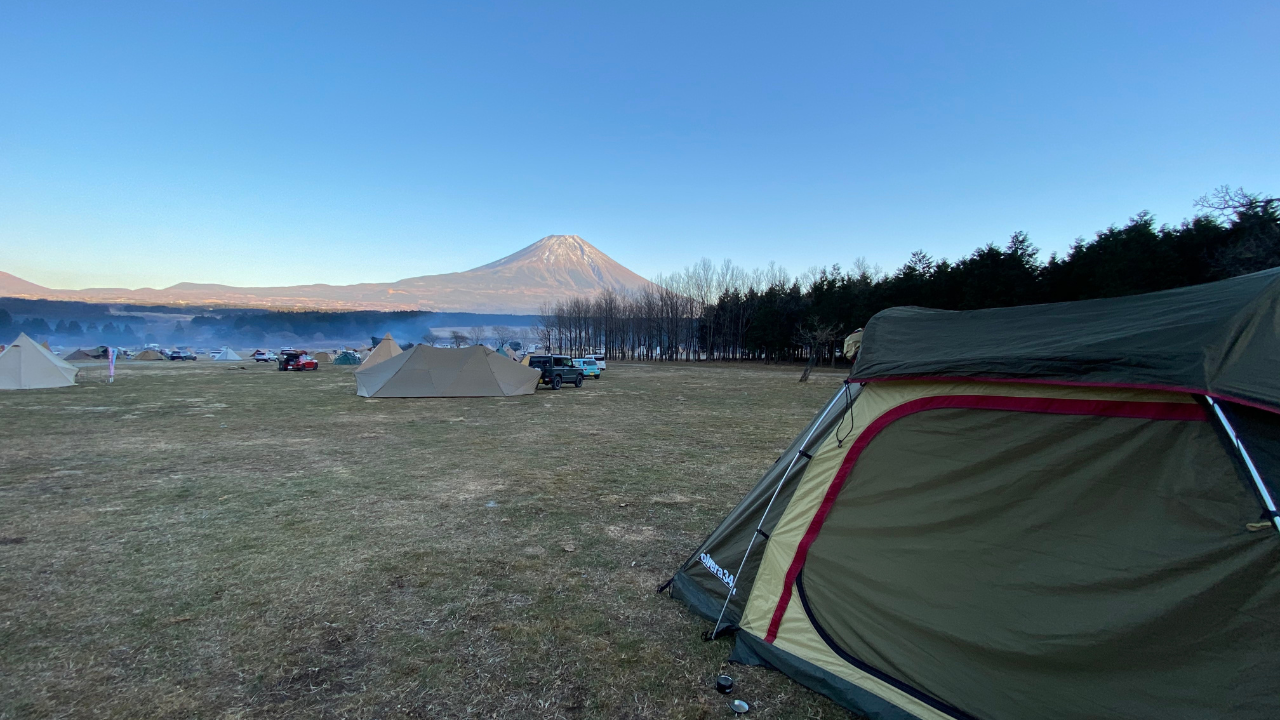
[1062, 573]
[386, 350]
[990, 550]
[148, 355]
[227, 354]
[28, 365]
[427, 371]
[97, 353]
[347, 357]
[728, 543]
[852, 343]
[322, 357]
[1219, 339]
[747, 650]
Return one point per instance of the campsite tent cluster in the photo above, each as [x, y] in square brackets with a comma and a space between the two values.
[1057, 511]
[1032, 512]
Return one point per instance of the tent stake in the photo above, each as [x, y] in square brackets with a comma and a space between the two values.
[1263, 492]
[760, 526]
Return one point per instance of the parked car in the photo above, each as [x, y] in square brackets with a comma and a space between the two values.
[297, 361]
[557, 370]
[183, 355]
[589, 366]
[265, 356]
[599, 358]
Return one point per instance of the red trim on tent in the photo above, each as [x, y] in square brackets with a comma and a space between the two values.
[1055, 406]
[1071, 383]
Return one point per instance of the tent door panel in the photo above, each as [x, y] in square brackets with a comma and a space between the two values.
[1032, 564]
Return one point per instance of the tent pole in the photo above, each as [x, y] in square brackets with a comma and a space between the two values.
[759, 526]
[1263, 492]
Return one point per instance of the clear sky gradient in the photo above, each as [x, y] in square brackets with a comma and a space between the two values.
[262, 143]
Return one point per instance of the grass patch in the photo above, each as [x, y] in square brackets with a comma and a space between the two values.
[197, 540]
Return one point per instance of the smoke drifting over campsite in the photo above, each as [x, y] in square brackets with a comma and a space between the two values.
[86, 324]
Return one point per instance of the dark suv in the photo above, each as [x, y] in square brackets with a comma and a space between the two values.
[182, 355]
[556, 370]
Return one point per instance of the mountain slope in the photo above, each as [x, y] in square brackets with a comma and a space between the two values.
[555, 267]
[14, 286]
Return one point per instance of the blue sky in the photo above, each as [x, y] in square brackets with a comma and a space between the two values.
[262, 143]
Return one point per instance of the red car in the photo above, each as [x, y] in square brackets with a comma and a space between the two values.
[297, 361]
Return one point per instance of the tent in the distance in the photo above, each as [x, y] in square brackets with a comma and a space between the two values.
[427, 371]
[386, 350]
[226, 354]
[347, 357]
[28, 365]
[322, 357]
[148, 354]
[97, 353]
[1060, 512]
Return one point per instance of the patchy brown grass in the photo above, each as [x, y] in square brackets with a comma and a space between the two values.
[197, 540]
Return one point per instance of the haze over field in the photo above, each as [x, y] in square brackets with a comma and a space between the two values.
[553, 268]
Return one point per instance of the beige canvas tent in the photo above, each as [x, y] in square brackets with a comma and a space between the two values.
[227, 355]
[148, 355]
[427, 371]
[322, 357]
[386, 350]
[96, 353]
[852, 344]
[27, 365]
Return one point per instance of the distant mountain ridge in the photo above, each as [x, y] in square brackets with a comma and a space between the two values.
[555, 267]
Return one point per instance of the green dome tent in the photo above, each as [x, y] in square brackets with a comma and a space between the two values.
[1057, 512]
[346, 357]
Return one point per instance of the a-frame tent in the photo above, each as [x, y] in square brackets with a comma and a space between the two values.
[28, 365]
[1058, 511]
[101, 352]
[386, 350]
[427, 371]
[226, 354]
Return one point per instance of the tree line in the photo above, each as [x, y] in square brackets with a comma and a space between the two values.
[725, 312]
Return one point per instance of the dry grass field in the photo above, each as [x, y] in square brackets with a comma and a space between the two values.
[225, 540]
